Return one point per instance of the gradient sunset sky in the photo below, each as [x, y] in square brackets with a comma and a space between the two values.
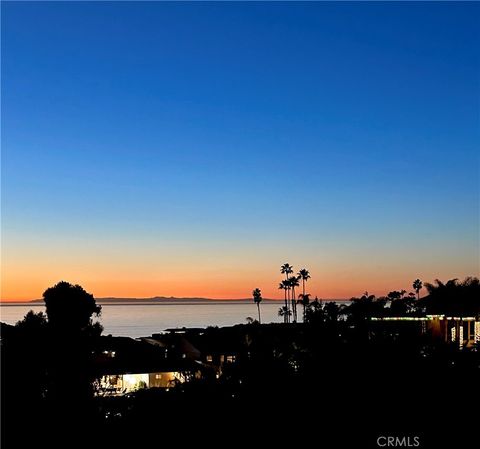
[190, 149]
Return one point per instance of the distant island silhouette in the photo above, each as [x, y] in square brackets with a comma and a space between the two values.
[163, 300]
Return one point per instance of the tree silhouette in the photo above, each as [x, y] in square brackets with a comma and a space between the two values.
[453, 298]
[283, 286]
[304, 275]
[394, 295]
[417, 286]
[285, 312]
[315, 312]
[287, 269]
[401, 305]
[331, 310]
[365, 307]
[33, 323]
[289, 288]
[69, 307]
[304, 301]
[294, 282]
[316, 304]
[257, 299]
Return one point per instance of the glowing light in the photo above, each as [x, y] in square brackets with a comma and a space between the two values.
[401, 318]
[132, 382]
[477, 331]
[458, 318]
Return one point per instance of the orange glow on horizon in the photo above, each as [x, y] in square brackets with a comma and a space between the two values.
[340, 287]
[215, 272]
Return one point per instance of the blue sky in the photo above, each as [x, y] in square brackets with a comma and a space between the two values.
[320, 133]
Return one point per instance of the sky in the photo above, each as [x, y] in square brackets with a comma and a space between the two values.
[190, 149]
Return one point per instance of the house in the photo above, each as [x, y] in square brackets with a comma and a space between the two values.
[122, 383]
[464, 331]
[122, 365]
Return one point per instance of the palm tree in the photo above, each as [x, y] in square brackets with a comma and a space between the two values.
[285, 312]
[294, 283]
[257, 299]
[287, 269]
[417, 286]
[304, 301]
[304, 275]
[454, 297]
[289, 296]
[283, 286]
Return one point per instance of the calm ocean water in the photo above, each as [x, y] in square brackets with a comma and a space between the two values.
[145, 319]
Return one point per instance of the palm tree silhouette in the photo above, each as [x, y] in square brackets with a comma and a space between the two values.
[285, 312]
[257, 299]
[294, 283]
[304, 301]
[283, 286]
[417, 286]
[454, 297]
[304, 275]
[287, 269]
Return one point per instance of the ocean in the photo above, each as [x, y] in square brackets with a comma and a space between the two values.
[143, 320]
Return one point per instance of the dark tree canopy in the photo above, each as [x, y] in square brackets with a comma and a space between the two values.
[70, 306]
[332, 311]
[403, 306]
[457, 298]
[365, 307]
[33, 322]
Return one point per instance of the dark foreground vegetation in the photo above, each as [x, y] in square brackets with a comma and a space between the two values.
[337, 380]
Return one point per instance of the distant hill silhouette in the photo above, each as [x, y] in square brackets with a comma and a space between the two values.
[164, 300]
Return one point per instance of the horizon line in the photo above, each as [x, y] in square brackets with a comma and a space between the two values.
[112, 298]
